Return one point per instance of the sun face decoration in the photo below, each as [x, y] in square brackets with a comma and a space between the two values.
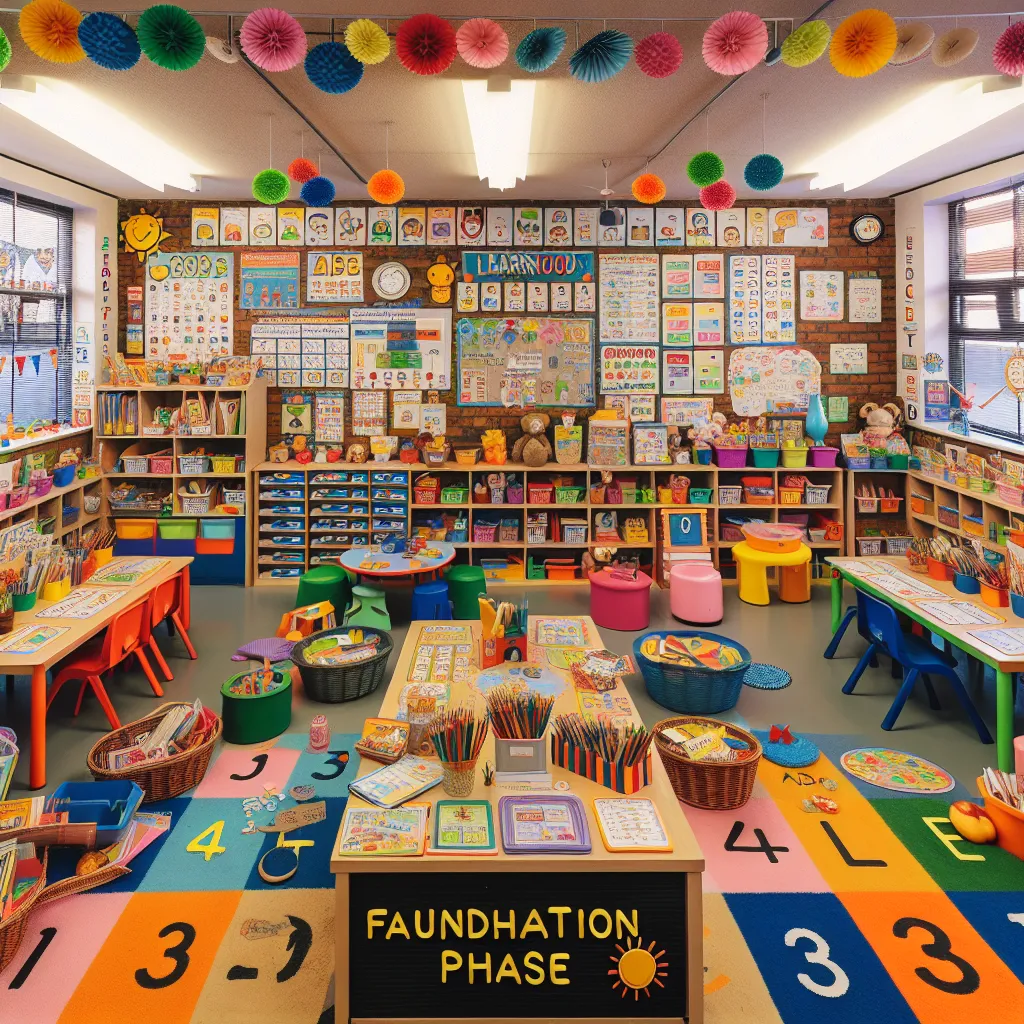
[637, 968]
[142, 234]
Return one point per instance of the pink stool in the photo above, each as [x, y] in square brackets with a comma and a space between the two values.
[620, 604]
[695, 593]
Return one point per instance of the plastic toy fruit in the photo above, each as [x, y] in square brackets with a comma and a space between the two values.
[972, 822]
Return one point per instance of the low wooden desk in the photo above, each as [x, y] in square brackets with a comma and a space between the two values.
[579, 910]
[79, 631]
[957, 635]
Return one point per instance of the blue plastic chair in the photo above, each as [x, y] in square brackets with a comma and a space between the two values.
[430, 601]
[881, 626]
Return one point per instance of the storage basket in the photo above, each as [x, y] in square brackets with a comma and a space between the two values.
[794, 458]
[701, 495]
[869, 505]
[869, 545]
[816, 494]
[730, 458]
[196, 504]
[568, 495]
[508, 530]
[537, 533]
[135, 463]
[823, 456]
[454, 495]
[484, 533]
[712, 785]
[540, 494]
[497, 495]
[159, 780]
[435, 458]
[574, 533]
[40, 487]
[515, 494]
[425, 495]
[162, 462]
[234, 495]
[949, 516]
[1010, 493]
[897, 545]
[728, 494]
[466, 456]
[222, 463]
[765, 458]
[890, 504]
[334, 684]
[973, 525]
[791, 495]
[192, 464]
[758, 495]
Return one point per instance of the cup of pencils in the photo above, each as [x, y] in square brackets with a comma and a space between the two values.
[458, 735]
[6, 610]
[519, 719]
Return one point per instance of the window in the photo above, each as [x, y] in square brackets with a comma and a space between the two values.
[35, 309]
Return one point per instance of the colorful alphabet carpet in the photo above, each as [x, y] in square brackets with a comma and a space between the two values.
[877, 913]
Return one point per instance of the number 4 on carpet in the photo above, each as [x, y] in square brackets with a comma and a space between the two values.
[215, 832]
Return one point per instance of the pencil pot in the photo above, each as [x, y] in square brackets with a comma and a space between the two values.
[966, 584]
[495, 650]
[612, 775]
[103, 555]
[24, 602]
[57, 589]
[519, 755]
[459, 777]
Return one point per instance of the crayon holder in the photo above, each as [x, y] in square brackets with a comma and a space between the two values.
[610, 774]
[495, 650]
[459, 777]
[89, 566]
[250, 716]
[57, 590]
[24, 602]
[520, 755]
[102, 556]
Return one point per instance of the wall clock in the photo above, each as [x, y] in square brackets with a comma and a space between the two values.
[867, 228]
[391, 280]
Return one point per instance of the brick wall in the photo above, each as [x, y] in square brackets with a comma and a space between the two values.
[878, 385]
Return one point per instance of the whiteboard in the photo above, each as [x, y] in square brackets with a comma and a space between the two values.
[401, 348]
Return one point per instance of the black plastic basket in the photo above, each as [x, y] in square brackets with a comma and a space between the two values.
[335, 684]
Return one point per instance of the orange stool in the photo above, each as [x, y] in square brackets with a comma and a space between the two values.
[169, 601]
[795, 583]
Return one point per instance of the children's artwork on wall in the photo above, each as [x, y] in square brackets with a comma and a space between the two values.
[269, 280]
[640, 226]
[797, 227]
[838, 410]
[732, 227]
[262, 225]
[865, 300]
[527, 226]
[607, 442]
[329, 417]
[296, 414]
[709, 276]
[234, 225]
[515, 296]
[334, 277]
[744, 300]
[585, 296]
[440, 225]
[642, 408]
[669, 226]
[677, 324]
[405, 410]
[677, 276]
[141, 233]
[561, 298]
[585, 225]
[397, 349]
[700, 227]
[490, 296]
[350, 225]
[629, 289]
[709, 323]
[537, 296]
[412, 225]
[383, 221]
[681, 412]
[291, 225]
[499, 225]
[629, 368]
[848, 358]
[821, 295]
[319, 226]
[778, 290]
[369, 413]
[433, 419]
[470, 225]
[611, 226]
[936, 400]
[467, 295]
[757, 226]
[677, 372]
[205, 225]
[650, 444]
[708, 371]
[620, 403]
[558, 225]
[302, 348]
[764, 381]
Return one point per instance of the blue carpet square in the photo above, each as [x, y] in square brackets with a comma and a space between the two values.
[998, 917]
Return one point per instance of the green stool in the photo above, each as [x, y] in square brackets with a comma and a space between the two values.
[369, 609]
[465, 584]
[325, 583]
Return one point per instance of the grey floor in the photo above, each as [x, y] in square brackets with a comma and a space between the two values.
[791, 636]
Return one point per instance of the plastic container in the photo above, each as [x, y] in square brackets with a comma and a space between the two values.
[1016, 604]
[823, 457]
[222, 463]
[701, 495]
[791, 495]
[965, 583]
[195, 504]
[24, 602]
[109, 804]
[794, 458]
[135, 463]
[162, 462]
[193, 464]
[995, 597]
[817, 494]
[1009, 822]
[63, 475]
[730, 494]
[899, 461]
[775, 538]
[869, 546]
[540, 494]
[879, 461]
[135, 529]
[897, 545]
[765, 458]
[177, 529]
[702, 456]
[937, 570]
[730, 458]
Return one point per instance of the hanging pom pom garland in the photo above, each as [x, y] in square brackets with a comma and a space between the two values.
[954, 46]
[386, 187]
[272, 39]
[863, 44]
[5, 50]
[601, 56]
[318, 191]
[705, 168]
[659, 55]
[763, 172]
[735, 43]
[482, 43]
[270, 187]
[718, 196]
[806, 44]
[540, 49]
[913, 41]
[170, 37]
[331, 68]
[425, 44]
[367, 41]
[50, 30]
[109, 42]
[301, 170]
[1008, 55]
[648, 188]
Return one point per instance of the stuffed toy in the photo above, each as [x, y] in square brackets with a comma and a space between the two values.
[533, 448]
[494, 446]
[881, 422]
[357, 453]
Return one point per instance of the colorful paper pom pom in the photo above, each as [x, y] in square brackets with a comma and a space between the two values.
[659, 55]
[954, 46]
[331, 68]
[50, 30]
[806, 44]
[425, 44]
[318, 191]
[109, 42]
[1008, 55]
[913, 41]
[5, 50]
[270, 187]
[601, 56]
[367, 41]
[705, 168]
[301, 170]
[170, 37]
[863, 44]
[648, 188]
[386, 187]
[272, 39]
[482, 43]
[735, 43]
[718, 196]
[763, 172]
[540, 49]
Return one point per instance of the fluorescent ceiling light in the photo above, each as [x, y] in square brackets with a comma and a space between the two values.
[500, 118]
[930, 121]
[92, 126]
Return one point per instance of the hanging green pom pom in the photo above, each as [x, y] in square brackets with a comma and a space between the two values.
[170, 37]
[705, 169]
[270, 187]
[5, 50]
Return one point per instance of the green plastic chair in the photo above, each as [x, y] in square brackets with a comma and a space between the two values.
[369, 608]
[465, 584]
[325, 583]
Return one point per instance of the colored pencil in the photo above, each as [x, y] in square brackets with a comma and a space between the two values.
[458, 734]
[623, 744]
[518, 714]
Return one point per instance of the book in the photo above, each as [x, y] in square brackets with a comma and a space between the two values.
[396, 783]
[384, 832]
[8, 759]
[463, 827]
[630, 824]
[20, 813]
[383, 739]
[543, 824]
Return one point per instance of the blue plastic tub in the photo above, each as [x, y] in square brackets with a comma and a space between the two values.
[217, 529]
[109, 804]
[1017, 604]
[63, 476]
[966, 584]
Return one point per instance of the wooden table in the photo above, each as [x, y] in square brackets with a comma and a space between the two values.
[381, 979]
[79, 631]
[958, 635]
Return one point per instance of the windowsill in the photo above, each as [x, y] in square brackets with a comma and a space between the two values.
[44, 438]
[975, 437]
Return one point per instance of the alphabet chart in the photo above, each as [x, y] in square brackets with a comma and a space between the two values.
[744, 300]
[778, 290]
[308, 348]
[629, 293]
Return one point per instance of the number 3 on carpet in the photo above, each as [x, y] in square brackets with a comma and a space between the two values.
[819, 955]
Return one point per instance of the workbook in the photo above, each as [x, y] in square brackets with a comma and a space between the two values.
[543, 824]
[630, 825]
[463, 827]
[384, 832]
[395, 783]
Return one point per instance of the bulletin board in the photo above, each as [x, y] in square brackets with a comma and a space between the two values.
[401, 348]
[525, 361]
[772, 381]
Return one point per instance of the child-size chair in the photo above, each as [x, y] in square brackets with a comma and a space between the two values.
[368, 608]
[430, 601]
[880, 625]
[166, 602]
[127, 634]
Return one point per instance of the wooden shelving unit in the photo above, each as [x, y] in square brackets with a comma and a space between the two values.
[859, 519]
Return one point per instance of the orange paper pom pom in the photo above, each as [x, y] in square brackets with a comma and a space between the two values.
[863, 43]
[50, 30]
[648, 188]
[386, 187]
[301, 170]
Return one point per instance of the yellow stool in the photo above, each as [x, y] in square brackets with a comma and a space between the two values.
[751, 573]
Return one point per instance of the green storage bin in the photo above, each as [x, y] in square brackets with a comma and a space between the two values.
[465, 584]
[251, 717]
[765, 458]
[701, 495]
[178, 529]
[899, 461]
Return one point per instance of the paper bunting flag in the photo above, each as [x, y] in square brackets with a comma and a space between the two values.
[35, 363]
[19, 361]
[3, 363]
[53, 357]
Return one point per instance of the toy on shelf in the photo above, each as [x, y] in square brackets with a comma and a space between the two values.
[302, 622]
[495, 447]
[533, 448]
[880, 423]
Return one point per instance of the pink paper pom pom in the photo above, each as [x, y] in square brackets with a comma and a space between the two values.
[1008, 55]
[272, 39]
[659, 55]
[719, 196]
[735, 43]
[482, 43]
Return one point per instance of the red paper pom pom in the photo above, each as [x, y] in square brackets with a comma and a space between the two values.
[659, 55]
[648, 188]
[1008, 55]
[719, 196]
[425, 44]
[301, 170]
[386, 187]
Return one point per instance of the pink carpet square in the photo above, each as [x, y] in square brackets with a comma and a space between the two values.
[254, 770]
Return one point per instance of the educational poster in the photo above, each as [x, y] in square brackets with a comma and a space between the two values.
[709, 276]
[700, 228]
[412, 225]
[677, 372]
[262, 225]
[490, 296]
[629, 290]
[677, 324]
[527, 225]
[470, 225]
[708, 371]
[677, 276]
[396, 349]
[178, 286]
[383, 225]
[848, 358]
[757, 226]
[334, 277]
[515, 296]
[865, 300]
[611, 226]
[499, 225]
[778, 290]
[405, 410]
[640, 226]
[765, 381]
[629, 368]
[585, 296]
[329, 417]
[434, 419]
[682, 412]
[585, 225]
[537, 296]
[467, 296]
[369, 413]
[269, 280]
[440, 225]
[791, 227]
[205, 225]
[732, 227]
[561, 298]
[306, 348]
[558, 225]
[291, 225]
[669, 226]
[709, 323]
[744, 300]
[350, 225]
[821, 295]
[234, 225]
[319, 228]
[641, 408]
[519, 361]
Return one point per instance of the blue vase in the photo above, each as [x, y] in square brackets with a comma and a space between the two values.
[816, 426]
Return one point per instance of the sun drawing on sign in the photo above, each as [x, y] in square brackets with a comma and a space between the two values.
[636, 968]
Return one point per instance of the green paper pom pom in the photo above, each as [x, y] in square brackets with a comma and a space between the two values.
[5, 50]
[806, 44]
[270, 187]
[170, 37]
[705, 169]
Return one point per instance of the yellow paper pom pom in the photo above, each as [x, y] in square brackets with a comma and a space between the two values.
[386, 187]
[50, 30]
[648, 188]
[863, 43]
[367, 41]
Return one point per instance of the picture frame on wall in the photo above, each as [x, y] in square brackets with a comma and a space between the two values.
[470, 225]
[499, 225]
[585, 296]
[515, 296]
[669, 226]
[585, 225]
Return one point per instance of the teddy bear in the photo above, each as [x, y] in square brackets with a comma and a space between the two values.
[533, 448]
[357, 453]
[880, 423]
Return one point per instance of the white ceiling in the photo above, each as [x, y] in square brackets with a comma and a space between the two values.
[219, 114]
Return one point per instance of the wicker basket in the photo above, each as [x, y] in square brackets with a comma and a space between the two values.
[192, 464]
[711, 785]
[196, 504]
[159, 780]
[335, 684]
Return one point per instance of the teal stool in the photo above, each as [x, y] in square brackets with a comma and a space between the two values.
[325, 583]
[465, 584]
[369, 609]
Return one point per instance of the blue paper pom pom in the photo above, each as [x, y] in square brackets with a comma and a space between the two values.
[599, 58]
[109, 42]
[763, 172]
[540, 49]
[331, 68]
[318, 191]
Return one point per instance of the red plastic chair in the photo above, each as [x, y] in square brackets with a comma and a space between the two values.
[169, 601]
[126, 635]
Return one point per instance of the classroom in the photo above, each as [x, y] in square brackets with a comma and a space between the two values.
[510, 515]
